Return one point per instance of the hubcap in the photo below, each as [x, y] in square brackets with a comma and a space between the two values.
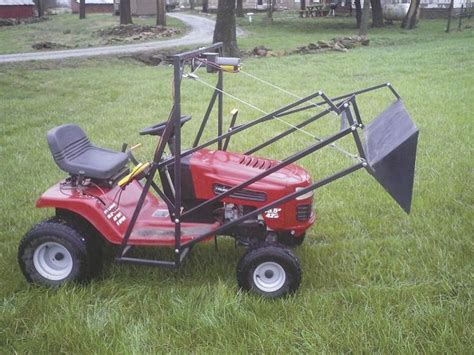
[53, 261]
[269, 276]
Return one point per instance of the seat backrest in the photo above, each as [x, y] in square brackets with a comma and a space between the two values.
[67, 142]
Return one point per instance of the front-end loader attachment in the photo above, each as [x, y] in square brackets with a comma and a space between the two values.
[390, 151]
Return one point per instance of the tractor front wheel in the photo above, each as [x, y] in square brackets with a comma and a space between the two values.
[270, 270]
[53, 253]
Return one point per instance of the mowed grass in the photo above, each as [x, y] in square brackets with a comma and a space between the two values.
[68, 30]
[374, 279]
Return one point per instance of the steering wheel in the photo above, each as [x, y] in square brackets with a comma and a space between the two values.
[158, 129]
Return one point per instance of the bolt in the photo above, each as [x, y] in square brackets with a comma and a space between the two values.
[176, 220]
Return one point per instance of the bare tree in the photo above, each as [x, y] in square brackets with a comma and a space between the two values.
[39, 7]
[161, 12]
[358, 12]
[125, 13]
[239, 12]
[364, 22]
[205, 6]
[270, 8]
[302, 4]
[225, 27]
[411, 18]
[450, 15]
[82, 9]
[377, 15]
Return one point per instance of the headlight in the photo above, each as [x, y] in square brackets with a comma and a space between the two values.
[304, 196]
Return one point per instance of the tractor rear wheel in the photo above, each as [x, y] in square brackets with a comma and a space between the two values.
[270, 270]
[53, 253]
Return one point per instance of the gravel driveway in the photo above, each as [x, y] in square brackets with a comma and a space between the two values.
[202, 30]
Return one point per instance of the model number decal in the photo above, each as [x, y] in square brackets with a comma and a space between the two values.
[273, 213]
[113, 213]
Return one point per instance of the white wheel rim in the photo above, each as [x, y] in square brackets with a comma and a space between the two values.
[269, 276]
[53, 261]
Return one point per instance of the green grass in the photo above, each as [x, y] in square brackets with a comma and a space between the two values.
[67, 29]
[375, 279]
[289, 32]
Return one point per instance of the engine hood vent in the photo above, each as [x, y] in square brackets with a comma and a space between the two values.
[257, 163]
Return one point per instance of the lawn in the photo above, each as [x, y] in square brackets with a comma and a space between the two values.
[66, 29]
[374, 279]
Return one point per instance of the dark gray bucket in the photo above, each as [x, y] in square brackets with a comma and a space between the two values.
[390, 149]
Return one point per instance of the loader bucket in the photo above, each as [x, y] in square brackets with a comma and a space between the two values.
[390, 151]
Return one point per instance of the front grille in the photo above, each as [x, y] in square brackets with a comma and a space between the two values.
[303, 212]
[241, 194]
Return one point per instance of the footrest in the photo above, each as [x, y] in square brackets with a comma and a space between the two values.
[164, 235]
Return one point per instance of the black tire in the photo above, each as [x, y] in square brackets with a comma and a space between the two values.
[53, 253]
[270, 270]
[94, 240]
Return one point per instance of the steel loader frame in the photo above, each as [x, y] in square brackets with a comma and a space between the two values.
[392, 163]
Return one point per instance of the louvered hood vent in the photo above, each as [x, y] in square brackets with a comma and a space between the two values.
[262, 164]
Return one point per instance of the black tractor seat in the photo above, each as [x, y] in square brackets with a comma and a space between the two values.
[75, 154]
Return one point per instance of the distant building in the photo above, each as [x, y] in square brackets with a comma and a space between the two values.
[17, 8]
[430, 9]
[295, 4]
[94, 6]
[439, 4]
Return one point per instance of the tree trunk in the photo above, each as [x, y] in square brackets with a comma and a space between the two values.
[125, 13]
[205, 6]
[411, 18]
[450, 15]
[82, 9]
[302, 4]
[377, 16]
[364, 21]
[161, 12]
[270, 11]
[358, 12]
[239, 12]
[191, 4]
[225, 27]
[39, 7]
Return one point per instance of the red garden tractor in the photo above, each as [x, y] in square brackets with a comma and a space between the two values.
[203, 193]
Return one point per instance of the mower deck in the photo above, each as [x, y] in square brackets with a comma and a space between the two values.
[102, 206]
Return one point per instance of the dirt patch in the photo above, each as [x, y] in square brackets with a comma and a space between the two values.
[339, 44]
[46, 45]
[131, 33]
